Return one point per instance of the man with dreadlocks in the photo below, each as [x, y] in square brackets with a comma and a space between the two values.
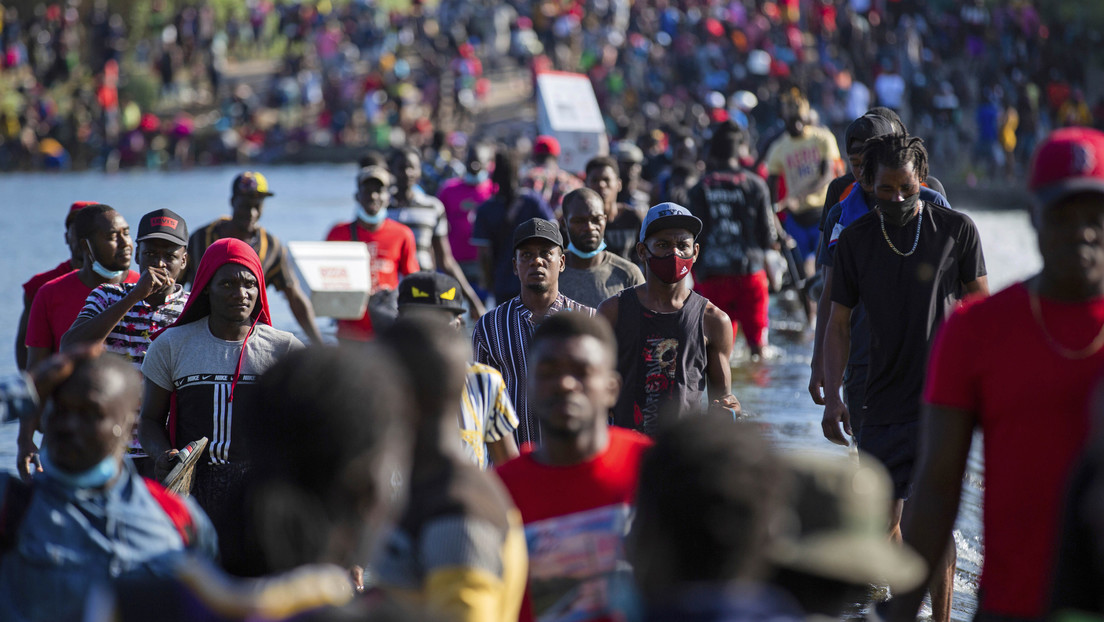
[908, 262]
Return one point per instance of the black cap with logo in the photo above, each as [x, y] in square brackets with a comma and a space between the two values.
[537, 228]
[163, 224]
[431, 290]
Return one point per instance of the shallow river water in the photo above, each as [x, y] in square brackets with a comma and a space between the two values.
[310, 199]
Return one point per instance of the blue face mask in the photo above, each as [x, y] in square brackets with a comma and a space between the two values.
[476, 179]
[580, 254]
[96, 477]
[99, 268]
[377, 219]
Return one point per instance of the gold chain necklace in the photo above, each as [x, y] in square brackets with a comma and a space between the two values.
[1083, 353]
[915, 242]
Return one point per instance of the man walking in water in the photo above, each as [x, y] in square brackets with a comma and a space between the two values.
[1029, 395]
[907, 262]
[673, 345]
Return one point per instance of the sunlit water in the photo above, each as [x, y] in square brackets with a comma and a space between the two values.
[310, 199]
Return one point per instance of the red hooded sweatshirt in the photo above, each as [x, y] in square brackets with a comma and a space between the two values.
[198, 307]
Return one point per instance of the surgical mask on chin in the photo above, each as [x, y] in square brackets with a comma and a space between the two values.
[899, 213]
[670, 268]
[370, 219]
[99, 268]
[581, 255]
[95, 477]
[476, 179]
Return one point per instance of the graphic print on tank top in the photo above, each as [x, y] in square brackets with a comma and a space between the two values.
[660, 357]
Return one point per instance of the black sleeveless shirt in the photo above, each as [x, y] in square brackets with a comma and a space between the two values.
[661, 359]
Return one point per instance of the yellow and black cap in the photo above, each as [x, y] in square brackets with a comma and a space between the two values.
[431, 290]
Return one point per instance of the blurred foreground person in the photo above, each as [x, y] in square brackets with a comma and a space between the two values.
[831, 545]
[977, 377]
[576, 490]
[331, 469]
[89, 518]
[459, 547]
[710, 493]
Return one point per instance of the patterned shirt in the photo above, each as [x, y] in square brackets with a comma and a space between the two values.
[501, 340]
[131, 336]
[486, 412]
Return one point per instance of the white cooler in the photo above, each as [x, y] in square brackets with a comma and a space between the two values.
[334, 275]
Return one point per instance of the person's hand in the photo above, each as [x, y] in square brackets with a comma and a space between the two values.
[164, 464]
[356, 575]
[835, 413]
[153, 280]
[26, 461]
[476, 309]
[816, 385]
[729, 404]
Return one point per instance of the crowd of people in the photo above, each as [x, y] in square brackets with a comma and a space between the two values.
[582, 456]
[169, 86]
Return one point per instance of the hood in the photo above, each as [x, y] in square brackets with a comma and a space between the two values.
[218, 254]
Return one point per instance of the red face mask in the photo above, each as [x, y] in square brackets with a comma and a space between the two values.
[670, 268]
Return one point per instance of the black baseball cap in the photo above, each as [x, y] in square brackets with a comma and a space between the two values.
[537, 228]
[431, 290]
[866, 127]
[163, 224]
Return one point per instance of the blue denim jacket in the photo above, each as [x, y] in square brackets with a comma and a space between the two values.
[72, 540]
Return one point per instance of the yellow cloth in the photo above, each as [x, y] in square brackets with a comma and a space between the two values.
[801, 160]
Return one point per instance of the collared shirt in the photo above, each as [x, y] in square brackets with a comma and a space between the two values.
[486, 412]
[501, 340]
[72, 539]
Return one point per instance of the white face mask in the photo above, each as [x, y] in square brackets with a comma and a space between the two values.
[99, 268]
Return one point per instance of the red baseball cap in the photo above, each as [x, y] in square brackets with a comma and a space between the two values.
[1069, 161]
[546, 145]
[76, 207]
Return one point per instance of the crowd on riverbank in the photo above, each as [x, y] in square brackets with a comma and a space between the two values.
[92, 88]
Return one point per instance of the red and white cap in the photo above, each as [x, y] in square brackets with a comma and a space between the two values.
[1069, 161]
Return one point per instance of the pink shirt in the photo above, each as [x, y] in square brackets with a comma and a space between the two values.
[460, 201]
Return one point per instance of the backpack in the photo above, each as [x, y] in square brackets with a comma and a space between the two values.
[17, 499]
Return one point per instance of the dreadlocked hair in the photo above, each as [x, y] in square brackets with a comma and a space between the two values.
[893, 151]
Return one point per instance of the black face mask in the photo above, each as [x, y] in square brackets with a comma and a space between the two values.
[899, 213]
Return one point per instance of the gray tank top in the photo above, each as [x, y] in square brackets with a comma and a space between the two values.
[661, 359]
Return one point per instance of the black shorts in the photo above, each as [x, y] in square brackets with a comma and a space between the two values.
[895, 446]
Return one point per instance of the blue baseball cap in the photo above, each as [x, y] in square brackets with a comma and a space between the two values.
[669, 216]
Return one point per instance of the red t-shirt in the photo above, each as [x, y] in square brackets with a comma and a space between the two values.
[575, 520]
[992, 358]
[35, 283]
[391, 252]
[55, 306]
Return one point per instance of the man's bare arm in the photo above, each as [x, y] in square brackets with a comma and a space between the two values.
[151, 426]
[945, 437]
[824, 310]
[21, 336]
[503, 450]
[837, 347]
[442, 254]
[303, 311]
[718, 350]
[980, 286]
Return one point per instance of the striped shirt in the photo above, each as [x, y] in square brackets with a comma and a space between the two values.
[131, 336]
[425, 215]
[501, 340]
[486, 412]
